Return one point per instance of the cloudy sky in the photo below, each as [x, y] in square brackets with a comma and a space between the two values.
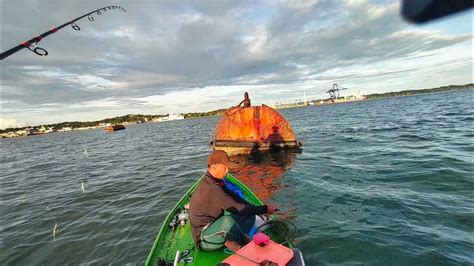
[192, 56]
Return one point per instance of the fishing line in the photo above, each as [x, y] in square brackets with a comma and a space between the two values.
[56, 226]
[56, 230]
[32, 43]
[282, 224]
[87, 164]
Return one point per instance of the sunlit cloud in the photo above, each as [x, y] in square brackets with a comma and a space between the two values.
[10, 123]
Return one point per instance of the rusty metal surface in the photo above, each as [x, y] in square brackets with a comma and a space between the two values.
[256, 124]
[255, 144]
[114, 128]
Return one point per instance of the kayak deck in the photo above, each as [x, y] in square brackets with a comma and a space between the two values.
[170, 240]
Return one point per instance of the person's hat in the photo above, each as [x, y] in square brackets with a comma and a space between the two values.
[221, 157]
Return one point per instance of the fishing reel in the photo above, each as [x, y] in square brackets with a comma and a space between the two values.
[181, 217]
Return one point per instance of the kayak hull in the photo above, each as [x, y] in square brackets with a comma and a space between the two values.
[169, 241]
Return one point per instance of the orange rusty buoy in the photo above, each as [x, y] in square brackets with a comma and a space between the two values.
[251, 129]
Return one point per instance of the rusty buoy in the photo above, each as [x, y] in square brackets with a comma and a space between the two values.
[252, 129]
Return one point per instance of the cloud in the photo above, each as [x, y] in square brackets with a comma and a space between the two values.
[169, 53]
[10, 123]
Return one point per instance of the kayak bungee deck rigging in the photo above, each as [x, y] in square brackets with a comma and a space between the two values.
[175, 244]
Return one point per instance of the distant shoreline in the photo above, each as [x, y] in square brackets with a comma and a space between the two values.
[374, 96]
[420, 91]
[137, 119]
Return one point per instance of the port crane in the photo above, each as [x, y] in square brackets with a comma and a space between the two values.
[334, 92]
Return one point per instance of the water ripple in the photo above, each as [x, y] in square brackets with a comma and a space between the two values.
[388, 181]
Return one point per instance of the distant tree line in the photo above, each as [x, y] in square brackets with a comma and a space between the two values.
[210, 113]
[419, 91]
[132, 118]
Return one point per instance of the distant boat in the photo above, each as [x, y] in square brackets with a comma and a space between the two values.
[171, 117]
[114, 128]
[175, 117]
[64, 129]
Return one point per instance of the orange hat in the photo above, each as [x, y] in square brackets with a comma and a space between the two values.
[221, 157]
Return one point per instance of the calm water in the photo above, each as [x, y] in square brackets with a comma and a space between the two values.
[387, 181]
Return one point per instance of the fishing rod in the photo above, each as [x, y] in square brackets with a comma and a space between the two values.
[32, 43]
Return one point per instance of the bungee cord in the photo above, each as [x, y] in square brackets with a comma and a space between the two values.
[32, 43]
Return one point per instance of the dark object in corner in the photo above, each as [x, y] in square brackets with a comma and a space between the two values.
[420, 11]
